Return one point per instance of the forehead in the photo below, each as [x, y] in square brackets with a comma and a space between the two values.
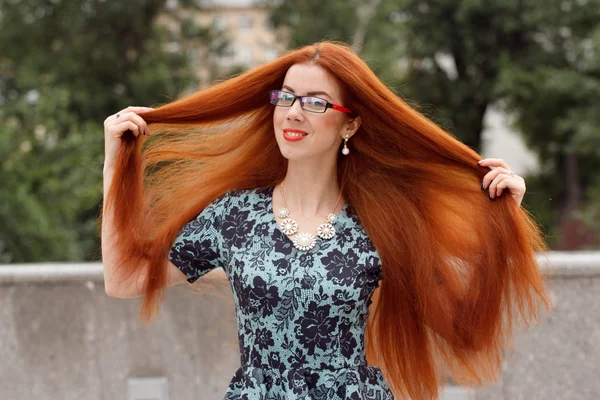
[305, 78]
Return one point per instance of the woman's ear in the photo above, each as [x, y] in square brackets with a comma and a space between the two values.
[353, 126]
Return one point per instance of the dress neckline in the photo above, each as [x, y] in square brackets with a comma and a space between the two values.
[273, 218]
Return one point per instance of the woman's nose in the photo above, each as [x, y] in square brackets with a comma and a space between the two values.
[295, 111]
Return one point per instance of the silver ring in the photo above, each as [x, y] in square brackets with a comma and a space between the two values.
[117, 116]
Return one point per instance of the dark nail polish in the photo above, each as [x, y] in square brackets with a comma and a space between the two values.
[490, 196]
[483, 186]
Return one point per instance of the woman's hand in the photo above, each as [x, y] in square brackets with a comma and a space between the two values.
[501, 177]
[117, 124]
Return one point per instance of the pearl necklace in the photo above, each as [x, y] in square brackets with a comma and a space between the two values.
[305, 241]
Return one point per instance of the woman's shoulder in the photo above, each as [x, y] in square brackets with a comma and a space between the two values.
[250, 193]
[249, 199]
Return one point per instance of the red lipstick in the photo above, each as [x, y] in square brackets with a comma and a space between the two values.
[293, 138]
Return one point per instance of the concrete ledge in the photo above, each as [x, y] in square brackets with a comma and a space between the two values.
[51, 272]
[554, 264]
[566, 264]
[62, 337]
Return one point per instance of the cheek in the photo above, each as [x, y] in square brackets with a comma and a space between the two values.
[278, 117]
[333, 122]
[329, 125]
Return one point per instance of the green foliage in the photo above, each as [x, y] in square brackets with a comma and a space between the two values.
[454, 58]
[314, 20]
[311, 21]
[64, 67]
[554, 92]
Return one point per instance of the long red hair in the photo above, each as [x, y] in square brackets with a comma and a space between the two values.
[458, 269]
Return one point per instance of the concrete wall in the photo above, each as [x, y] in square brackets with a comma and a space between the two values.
[68, 340]
[62, 338]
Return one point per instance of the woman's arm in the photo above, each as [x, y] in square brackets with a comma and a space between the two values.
[115, 284]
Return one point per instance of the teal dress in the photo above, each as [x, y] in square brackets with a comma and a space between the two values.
[301, 315]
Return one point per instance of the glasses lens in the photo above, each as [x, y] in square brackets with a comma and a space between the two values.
[280, 98]
[315, 104]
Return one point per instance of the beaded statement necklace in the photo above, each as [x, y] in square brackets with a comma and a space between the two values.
[304, 240]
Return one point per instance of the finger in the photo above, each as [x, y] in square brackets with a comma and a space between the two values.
[140, 122]
[501, 186]
[137, 109]
[493, 162]
[136, 119]
[497, 180]
[119, 129]
[490, 176]
[122, 112]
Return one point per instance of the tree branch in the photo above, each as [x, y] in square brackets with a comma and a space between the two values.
[365, 15]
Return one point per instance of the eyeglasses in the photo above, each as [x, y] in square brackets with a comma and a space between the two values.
[282, 98]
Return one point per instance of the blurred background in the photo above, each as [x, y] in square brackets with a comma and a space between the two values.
[512, 79]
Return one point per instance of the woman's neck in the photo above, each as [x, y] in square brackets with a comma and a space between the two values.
[310, 194]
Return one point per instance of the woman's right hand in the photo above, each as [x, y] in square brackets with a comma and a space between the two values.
[114, 128]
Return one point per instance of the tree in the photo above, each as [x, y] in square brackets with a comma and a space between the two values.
[451, 49]
[368, 25]
[554, 92]
[64, 67]
[453, 59]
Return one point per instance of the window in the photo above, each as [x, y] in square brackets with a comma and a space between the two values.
[147, 389]
[270, 53]
[456, 393]
[243, 54]
[194, 56]
[220, 22]
[245, 22]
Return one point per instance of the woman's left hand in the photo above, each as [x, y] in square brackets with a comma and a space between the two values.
[501, 177]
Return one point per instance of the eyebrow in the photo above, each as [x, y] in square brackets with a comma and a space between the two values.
[308, 93]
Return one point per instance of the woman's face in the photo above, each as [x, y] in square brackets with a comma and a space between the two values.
[325, 130]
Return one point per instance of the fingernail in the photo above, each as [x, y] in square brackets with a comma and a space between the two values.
[147, 132]
[490, 196]
[483, 186]
[479, 162]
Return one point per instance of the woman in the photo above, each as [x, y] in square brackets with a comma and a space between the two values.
[349, 226]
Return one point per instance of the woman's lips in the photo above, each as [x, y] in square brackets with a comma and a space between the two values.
[293, 138]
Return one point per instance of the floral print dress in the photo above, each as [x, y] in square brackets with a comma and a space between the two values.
[301, 315]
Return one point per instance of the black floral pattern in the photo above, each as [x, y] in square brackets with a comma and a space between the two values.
[301, 314]
[316, 327]
[196, 250]
[282, 266]
[237, 226]
[341, 267]
[264, 338]
[262, 299]
[347, 340]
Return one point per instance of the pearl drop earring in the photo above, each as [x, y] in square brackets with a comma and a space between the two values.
[346, 150]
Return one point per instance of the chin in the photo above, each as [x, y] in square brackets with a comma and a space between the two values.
[292, 155]
[287, 151]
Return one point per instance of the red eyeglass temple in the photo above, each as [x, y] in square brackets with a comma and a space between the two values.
[340, 108]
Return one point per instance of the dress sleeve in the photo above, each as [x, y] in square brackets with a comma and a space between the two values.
[198, 246]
